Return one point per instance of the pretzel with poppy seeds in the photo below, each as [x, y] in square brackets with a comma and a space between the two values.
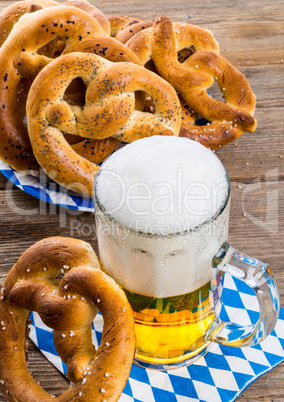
[194, 77]
[68, 306]
[109, 111]
[96, 151]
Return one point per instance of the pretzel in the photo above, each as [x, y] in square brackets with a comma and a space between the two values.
[68, 306]
[10, 15]
[194, 76]
[185, 36]
[109, 111]
[123, 28]
[22, 63]
[117, 22]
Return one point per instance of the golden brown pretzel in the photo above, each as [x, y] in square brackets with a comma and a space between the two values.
[185, 36]
[96, 151]
[109, 111]
[194, 76]
[188, 39]
[68, 306]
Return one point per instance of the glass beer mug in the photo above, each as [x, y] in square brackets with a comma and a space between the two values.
[173, 279]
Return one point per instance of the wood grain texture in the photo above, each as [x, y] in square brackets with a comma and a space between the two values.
[250, 34]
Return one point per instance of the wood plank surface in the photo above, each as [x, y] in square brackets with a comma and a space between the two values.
[251, 35]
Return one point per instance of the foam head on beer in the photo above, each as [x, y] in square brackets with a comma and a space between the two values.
[161, 199]
[162, 184]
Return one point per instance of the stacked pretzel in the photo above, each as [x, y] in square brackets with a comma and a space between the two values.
[33, 284]
[86, 83]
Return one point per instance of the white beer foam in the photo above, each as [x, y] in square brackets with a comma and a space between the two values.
[162, 184]
[161, 266]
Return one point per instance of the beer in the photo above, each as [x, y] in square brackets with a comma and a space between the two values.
[173, 329]
[162, 214]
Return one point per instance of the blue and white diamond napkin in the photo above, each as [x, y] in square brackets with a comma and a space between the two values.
[219, 376]
[46, 190]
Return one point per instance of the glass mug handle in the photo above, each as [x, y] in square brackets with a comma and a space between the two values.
[258, 276]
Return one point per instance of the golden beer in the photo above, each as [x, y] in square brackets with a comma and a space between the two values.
[173, 329]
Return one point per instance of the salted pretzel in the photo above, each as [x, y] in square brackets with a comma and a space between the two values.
[68, 306]
[21, 63]
[194, 76]
[109, 111]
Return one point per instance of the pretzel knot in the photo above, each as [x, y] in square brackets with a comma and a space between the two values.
[193, 76]
[68, 306]
[109, 110]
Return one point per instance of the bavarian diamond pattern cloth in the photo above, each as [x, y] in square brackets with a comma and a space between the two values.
[219, 376]
[45, 189]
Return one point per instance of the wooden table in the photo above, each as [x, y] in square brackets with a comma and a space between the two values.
[250, 34]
